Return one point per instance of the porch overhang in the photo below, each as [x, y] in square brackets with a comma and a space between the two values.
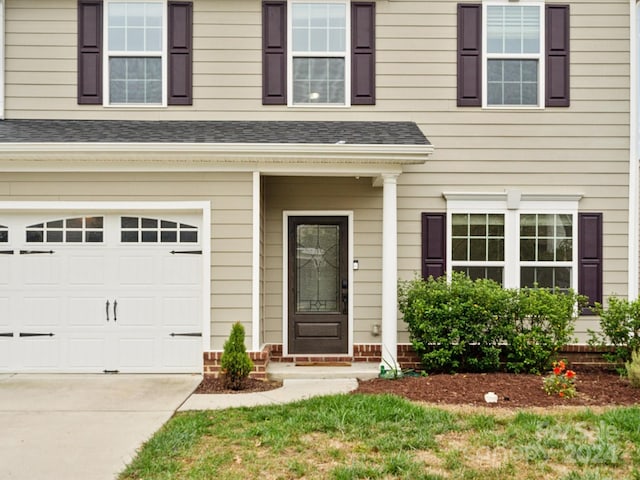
[276, 158]
[364, 148]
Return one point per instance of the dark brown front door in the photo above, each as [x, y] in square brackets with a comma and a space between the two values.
[318, 285]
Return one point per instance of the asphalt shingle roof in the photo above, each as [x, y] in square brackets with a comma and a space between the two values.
[124, 131]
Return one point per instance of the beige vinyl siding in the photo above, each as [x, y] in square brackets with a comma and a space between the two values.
[582, 149]
[326, 194]
[231, 220]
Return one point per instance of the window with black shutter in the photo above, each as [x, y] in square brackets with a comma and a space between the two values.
[516, 54]
[133, 56]
[317, 53]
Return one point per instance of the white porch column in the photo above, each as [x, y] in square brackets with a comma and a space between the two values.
[255, 290]
[389, 271]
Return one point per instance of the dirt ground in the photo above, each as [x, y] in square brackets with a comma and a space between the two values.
[595, 388]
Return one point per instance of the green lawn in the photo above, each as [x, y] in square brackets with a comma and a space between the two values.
[385, 437]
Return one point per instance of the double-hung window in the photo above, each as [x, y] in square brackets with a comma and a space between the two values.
[546, 250]
[477, 245]
[135, 52]
[518, 244]
[136, 56]
[513, 54]
[318, 53]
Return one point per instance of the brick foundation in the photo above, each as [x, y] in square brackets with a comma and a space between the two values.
[578, 356]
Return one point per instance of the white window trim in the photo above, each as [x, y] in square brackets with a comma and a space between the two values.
[108, 54]
[347, 57]
[507, 56]
[512, 204]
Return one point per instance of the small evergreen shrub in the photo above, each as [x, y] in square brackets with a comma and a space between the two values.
[633, 369]
[619, 328]
[469, 326]
[235, 361]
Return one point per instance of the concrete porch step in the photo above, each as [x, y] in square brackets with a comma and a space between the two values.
[285, 371]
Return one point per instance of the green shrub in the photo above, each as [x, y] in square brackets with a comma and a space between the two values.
[633, 369]
[542, 323]
[455, 326]
[235, 362]
[465, 325]
[619, 328]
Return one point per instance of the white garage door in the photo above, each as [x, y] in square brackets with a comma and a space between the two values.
[100, 292]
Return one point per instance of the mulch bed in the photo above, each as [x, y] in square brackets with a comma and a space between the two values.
[216, 385]
[594, 388]
[513, 390]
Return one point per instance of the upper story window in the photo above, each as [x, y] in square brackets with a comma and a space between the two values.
[135, 52]
[513, 55]
[136, 58]
[318, 53]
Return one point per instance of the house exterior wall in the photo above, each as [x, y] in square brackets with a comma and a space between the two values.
[230, 242]
[581, 149]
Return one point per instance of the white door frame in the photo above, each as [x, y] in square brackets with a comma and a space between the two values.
[285, 272]
[204, 207]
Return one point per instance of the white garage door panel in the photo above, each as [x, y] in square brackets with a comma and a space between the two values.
[87, 312]
[87, 270]
[151, 293]
[136, 354]
[180, 352]
[87, 352]
[137, 270]
[41, 353]
[41, 269]
[179, 270]
[41, 312]
[181, 312]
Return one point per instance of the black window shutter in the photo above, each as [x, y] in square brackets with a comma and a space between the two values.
[469, 55]
[434, 244]
[274, 52]
[590, 258]
[90, 52]
[363, 53]
[180, 47]
[557, 55]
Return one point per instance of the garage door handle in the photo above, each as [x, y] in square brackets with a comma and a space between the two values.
[193, 334]
[115, 310]
[6, 252]
[23, 334]
[35, 252]
[10, 334]
[107, 309]
[186, 252]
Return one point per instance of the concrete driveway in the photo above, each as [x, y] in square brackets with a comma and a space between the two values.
[65, 427]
